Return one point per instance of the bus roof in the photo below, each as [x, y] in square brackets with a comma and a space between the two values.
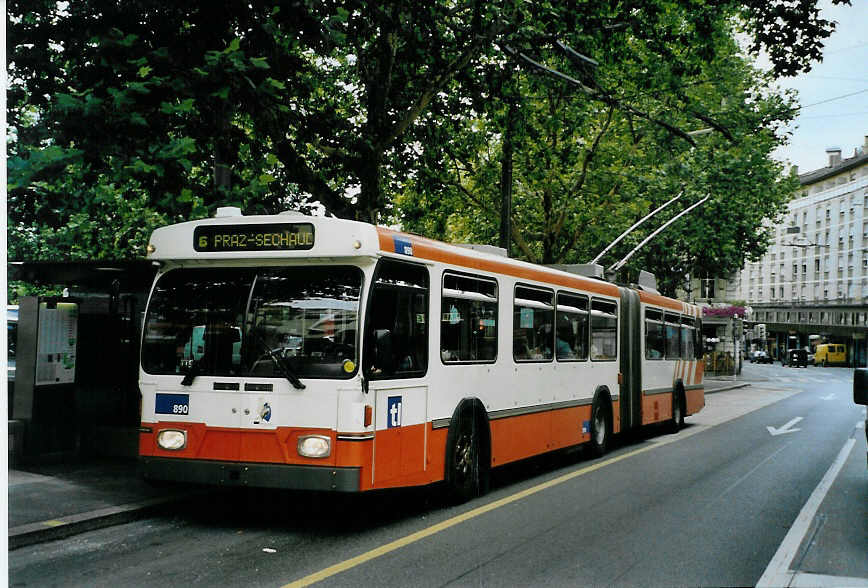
[294, 236]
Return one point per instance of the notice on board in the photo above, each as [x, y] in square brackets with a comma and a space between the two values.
[56, 346]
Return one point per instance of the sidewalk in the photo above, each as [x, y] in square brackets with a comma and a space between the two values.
[48, 502]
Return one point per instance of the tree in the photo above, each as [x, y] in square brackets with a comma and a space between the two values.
[124, 115]
[590, 162]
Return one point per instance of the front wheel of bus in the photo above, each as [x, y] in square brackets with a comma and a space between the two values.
[601, 428]
[466, 478]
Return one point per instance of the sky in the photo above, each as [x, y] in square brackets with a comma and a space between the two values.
[828, 119]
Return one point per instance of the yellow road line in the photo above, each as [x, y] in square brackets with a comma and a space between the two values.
[471, 514]
[53, 523]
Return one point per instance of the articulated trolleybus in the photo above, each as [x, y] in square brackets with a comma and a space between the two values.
[323, 354]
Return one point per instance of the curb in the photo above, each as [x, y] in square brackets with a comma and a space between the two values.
[62, 527]
[725, 388]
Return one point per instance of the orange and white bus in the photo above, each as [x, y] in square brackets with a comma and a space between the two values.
[317, 353]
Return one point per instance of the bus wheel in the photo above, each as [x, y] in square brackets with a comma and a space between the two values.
[677, 412]
[600, 428]
[467, 475]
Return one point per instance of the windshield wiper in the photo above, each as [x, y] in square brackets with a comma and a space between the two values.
[191, 374]
[281, 363]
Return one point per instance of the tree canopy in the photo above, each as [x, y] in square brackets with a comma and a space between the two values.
[127, 115]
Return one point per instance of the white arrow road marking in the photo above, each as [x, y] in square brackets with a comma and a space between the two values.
[827, 397]
[785, 429]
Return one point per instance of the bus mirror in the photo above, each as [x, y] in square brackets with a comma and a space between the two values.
[860, 386]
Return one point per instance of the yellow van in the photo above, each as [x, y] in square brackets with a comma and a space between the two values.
[830, 353]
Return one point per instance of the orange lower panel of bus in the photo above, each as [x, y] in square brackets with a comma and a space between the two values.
[402, 456]
[695, 400]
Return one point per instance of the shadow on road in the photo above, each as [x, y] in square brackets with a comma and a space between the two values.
[335, 514]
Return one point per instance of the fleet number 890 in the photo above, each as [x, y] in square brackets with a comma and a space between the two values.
[180, 408]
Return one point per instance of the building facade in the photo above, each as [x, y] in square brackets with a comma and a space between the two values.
[811, 286]
[819, 252]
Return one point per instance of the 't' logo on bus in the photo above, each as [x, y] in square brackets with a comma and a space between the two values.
[394, 414]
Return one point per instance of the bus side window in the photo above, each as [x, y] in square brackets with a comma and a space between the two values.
[655, 336]
[397, 322]
[688, 326]
[571, 335]
[604, 330]
[673, 339]
[532, 324]
[468, 319]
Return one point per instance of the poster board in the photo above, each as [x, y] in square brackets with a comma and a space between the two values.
[56, 343]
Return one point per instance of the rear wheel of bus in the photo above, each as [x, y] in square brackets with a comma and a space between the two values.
[601, 426]
[467, 470]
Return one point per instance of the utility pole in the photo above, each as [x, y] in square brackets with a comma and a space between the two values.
[506, 176]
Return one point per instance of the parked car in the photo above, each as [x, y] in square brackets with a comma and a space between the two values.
[797, 358]
[760, 357]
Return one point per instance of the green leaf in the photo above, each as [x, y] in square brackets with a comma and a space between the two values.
[222, 93]
[233, 46]
[260, 62]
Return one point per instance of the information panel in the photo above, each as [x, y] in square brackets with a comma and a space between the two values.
[270, 237]
[55, 349]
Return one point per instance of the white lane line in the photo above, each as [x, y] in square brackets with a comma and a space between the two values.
[778, 571]
[803, 580]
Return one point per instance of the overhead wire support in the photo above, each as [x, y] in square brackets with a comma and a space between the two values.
[515, 53]
[621, 263]
[593, 93]
[636, 224]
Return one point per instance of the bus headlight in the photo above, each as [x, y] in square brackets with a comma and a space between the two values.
[314, 446]
[172, 439]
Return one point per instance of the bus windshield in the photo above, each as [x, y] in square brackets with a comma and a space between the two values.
[257, 322]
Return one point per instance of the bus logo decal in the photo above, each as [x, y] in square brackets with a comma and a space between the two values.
[393, 417]
[265, 412]
[403, 246]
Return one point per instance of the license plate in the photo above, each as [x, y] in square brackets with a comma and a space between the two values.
[177, 404]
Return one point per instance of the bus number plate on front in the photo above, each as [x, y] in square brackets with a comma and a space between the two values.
[176, 404]
[252, 237]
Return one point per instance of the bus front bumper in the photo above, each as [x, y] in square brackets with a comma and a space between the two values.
[254, 475]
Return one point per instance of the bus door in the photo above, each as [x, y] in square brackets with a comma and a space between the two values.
[395, 363]
[631, 378]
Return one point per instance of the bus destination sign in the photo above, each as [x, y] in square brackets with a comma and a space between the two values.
[270, 237]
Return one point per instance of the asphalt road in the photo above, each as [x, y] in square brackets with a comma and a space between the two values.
[713, 505]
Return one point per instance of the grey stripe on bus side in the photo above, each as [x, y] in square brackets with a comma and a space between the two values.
[513, 412]
[654, 391]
